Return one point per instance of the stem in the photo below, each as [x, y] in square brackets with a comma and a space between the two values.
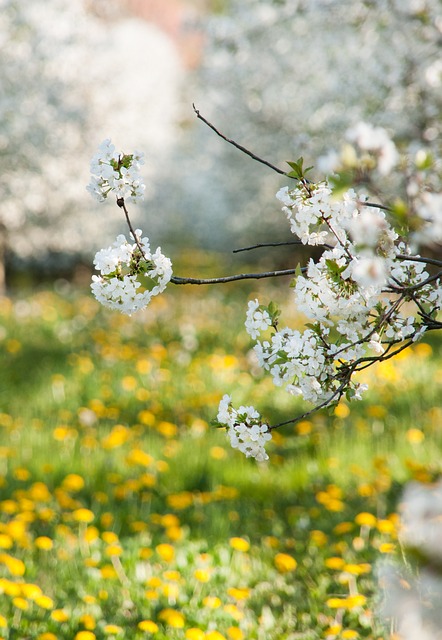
[240, 147]
[122, 205]
[339, 391]
[240, 276]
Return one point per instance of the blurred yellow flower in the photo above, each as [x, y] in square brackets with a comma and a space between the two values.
[334, 563]
[47, 635]
[85, 635]
[285, 563]
[73, 482]
[349, 634]
[366, 519]
[172, 617]
[20, 603]
[238, 593]
[180, 500]
[165, 551]
[83, 515]
[59, 615]
[202, 575]
[235, 633]
[44, 543]
[116, 438]
[195, 634]
[415, 436]
[148, 625]
[6, 541]
[88, 621]
[387, 547]
[113, 629]
[212, 602]
[45, 602]
[239, 544]
[214, 635]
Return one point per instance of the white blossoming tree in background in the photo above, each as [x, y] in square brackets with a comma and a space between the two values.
[68, 75]
[296, 76]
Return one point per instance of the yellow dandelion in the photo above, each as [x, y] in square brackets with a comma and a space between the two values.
[47, 635]
[285, 563]
[45, 602]
[415, 436]
[214, 635]
[195, 634]
[73, 482]
[387, 547]
[233, 611]
[342, 410]
[349, 634]
[6, 541]
[334, 563]
[366, 519]
[239, 544]
[165, 551]
[180, 500]
[217, 453]
[20, 603]
[202, 575]
[15, 566]
[108, 572]
[235, 633]
[148, 625]
[83, 515]
[113, 629]
[212, 602]
[3, 622]
[172, 617]
[44, 543]
[239, 593]
[59, 615]
[357, 600]
[319, 538]
[88, 621]
[85, 635]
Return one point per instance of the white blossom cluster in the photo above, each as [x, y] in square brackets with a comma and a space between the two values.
[244, 429]
[351, 296]
[116, 173]
[130, 274]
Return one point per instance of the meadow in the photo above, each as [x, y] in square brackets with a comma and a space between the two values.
[125, 514]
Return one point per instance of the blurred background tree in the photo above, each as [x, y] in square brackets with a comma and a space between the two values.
[287, 78]
[283, 77]
[73, 74]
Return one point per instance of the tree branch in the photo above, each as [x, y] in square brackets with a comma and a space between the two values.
[240, 276]
[240, 147]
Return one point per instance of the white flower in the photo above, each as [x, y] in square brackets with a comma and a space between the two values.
[122, 269]
[116, 173]
[244, 429]
[256, 320]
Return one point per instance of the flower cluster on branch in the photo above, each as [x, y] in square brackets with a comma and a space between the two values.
[366, 298]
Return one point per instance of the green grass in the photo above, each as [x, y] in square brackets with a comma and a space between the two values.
[112, 415]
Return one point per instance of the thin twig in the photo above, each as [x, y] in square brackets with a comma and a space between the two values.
[403, 256]
[266, 244]
[339, 392]
[240, 276]
[239, 146]
[122, 205]
[276, 244]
